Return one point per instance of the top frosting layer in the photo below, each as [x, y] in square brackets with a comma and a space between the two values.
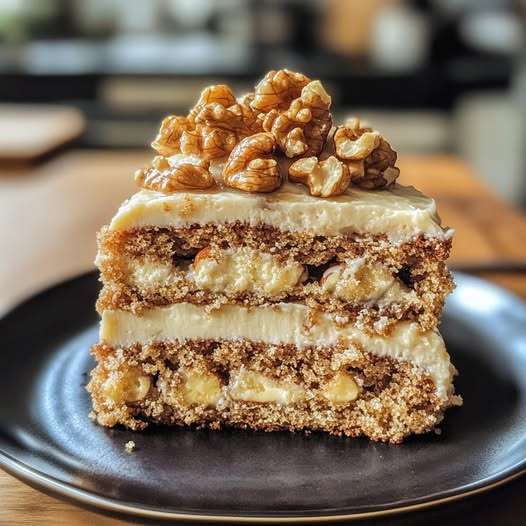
[276, 157]
[400, 212]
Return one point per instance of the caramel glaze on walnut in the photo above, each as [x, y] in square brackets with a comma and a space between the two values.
[286, 118]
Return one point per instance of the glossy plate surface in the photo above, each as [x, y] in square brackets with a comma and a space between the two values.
[47, 439]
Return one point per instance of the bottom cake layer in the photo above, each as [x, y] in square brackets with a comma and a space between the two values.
[244, 384]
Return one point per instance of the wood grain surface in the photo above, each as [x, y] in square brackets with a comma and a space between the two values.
[48, 218]
[30, 131]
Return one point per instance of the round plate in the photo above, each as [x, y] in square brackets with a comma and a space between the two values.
[47, 439]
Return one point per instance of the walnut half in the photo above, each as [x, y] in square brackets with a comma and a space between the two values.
[166, 178]
[303, 127]
[369, 157]
[251, 166]
[168, 140]
[324, 178]
[355, 146]
[277, 90]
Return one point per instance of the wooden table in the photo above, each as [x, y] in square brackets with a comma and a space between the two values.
[48, 218]
[52, 126]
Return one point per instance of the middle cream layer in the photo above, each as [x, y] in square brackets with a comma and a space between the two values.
[250, 271]
[284, 323]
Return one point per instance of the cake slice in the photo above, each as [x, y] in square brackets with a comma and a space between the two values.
[271, 274]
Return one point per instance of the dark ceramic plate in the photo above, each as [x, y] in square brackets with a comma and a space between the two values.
[47, 440]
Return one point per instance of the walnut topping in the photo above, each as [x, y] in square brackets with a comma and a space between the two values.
[370, 158]
[355, 146]
[247, 99]
[163, 177]
[219, 93]
[160, 163]
[212, 128]
[303, 128]
[277, 90]
[251, 166]
[324, 178]
[168, 140]
[377, 170]
[382, 158]
[285, 120]
[238, 119]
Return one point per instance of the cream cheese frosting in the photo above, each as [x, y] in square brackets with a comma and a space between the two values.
[401, 212]
[286, 323]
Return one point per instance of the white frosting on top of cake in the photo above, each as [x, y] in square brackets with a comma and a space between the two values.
[401, 212]
[286, 323]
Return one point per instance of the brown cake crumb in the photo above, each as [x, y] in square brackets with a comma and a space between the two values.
[396, 399]
[419, 262]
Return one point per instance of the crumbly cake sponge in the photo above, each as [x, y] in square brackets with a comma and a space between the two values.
[364, 280]
[207, 383]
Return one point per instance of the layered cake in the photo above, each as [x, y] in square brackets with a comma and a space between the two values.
[270, 273]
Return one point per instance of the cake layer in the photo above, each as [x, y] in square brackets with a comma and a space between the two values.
[359, 280]
[287, 323]
[241, 383]
[401, 212]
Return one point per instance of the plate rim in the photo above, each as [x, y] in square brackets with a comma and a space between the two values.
[60, 489]
[96, 502]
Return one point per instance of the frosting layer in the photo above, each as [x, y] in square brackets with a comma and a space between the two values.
[283, 323]
[401, 212]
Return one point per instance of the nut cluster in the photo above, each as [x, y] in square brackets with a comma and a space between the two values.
[212, 128]
[370, 158]
[286, 117]
[301, 129]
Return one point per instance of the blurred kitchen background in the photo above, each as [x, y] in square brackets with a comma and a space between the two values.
[84, 85]
[436, 76]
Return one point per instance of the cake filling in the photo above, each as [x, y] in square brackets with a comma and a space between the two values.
[203, 388]
[251, 386]
[244, 270]
[235, 271]
[284, 323]
[363, 281]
